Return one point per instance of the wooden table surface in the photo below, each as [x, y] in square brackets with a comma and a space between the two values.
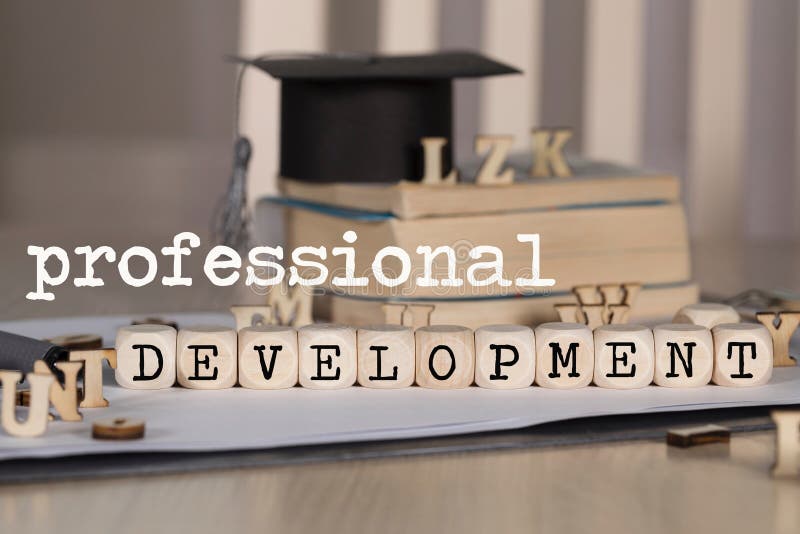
[641, 486]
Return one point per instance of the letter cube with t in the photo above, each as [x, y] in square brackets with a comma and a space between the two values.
[386, 356]
[564, 355]
[445, 356]
[684, 355]
[146, 356]
[504, 356]
[267, 357]
[742, 354]
[207, 357]
[623, 356]
[327, 356]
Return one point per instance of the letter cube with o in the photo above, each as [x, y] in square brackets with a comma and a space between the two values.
[623, 356]
[742, 354]
[146, 356]
[445, 356]
[504, 356]
[267, 357]
[207, 357]
[564, 355]
[327, 356]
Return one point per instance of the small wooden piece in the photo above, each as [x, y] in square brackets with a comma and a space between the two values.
[146, 356]
[624, 356]
[432, 151]
[742, 354]
[327, 356]
[564, 355]
[787, 443]
[268, 357]
[207, 357]
[386, 356]
[707, 314]
[63, 398]
[77, 341]
[781, 334]
[155, 320]
[291, 306]
[246, 315]
[445, 356]
[119, 428]
[411, 315]
[698, 435]
[548, 152]
[684, 355]
[36, 423]
[504, 356]
[491, 171]
[93, 374]
[600, 304]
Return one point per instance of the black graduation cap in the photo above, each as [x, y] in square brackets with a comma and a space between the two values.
[360, 118]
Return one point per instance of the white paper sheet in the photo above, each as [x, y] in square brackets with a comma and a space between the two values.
[188, 420]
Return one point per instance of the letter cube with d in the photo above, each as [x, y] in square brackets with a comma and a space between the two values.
[146, 356]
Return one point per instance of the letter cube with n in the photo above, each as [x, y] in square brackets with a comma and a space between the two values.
[564, 355]
[504, 356]
[623, 356]
[207, 357]
[327, 355]
[742, 354]
[267, 357]
[146, 356]
[684, 355]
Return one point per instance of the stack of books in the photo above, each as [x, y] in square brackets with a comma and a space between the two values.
[607, 224]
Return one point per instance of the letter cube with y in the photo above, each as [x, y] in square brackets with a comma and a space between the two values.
[684, 355]
[504, 356]
[623, 356]
[742, 354]
[445, 356]
[564, 355]
[327, 356]
[707, 314]
[386, 356]
[267, 357]
[207, 357]
[146, 356]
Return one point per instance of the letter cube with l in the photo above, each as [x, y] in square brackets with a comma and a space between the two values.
[267, 357]
[564, 355]
[386, 356]
[684, 355]
[742, 354]
[145, 356]
[445, 356]
[504, 356]
[623, 356]
[207, 357]
[327, 356]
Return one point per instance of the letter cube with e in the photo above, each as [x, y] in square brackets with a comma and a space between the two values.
[504, 356]
[684, 355]
[386, 356]
[146, 356]
[564, 355]
[623, 356]
[742, 354]
[207, 357]
[267, 357]
[445, 356]
[327, 355]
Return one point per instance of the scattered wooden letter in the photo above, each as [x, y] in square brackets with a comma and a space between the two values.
[787, 443]
[707, 314]
[445, 356]
[432, 150]
[787, 324]
[698, 435]
[246, 315]
[291, 306]
[39, 409]
[742, 354]
[491, 171]
[207, 357]
[63, 398]
[118, 428]
[411, 315]
[548, 152]
[93, 374]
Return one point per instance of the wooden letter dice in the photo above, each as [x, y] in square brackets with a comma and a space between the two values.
[742, 354]
[327, 356]
[267, 357]
[564, 355]
[706, 314]
[623, 356]
[146, 356]
[207, 357]
[386, 356]
[504, 356]
[445, 356]
[684, 355]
